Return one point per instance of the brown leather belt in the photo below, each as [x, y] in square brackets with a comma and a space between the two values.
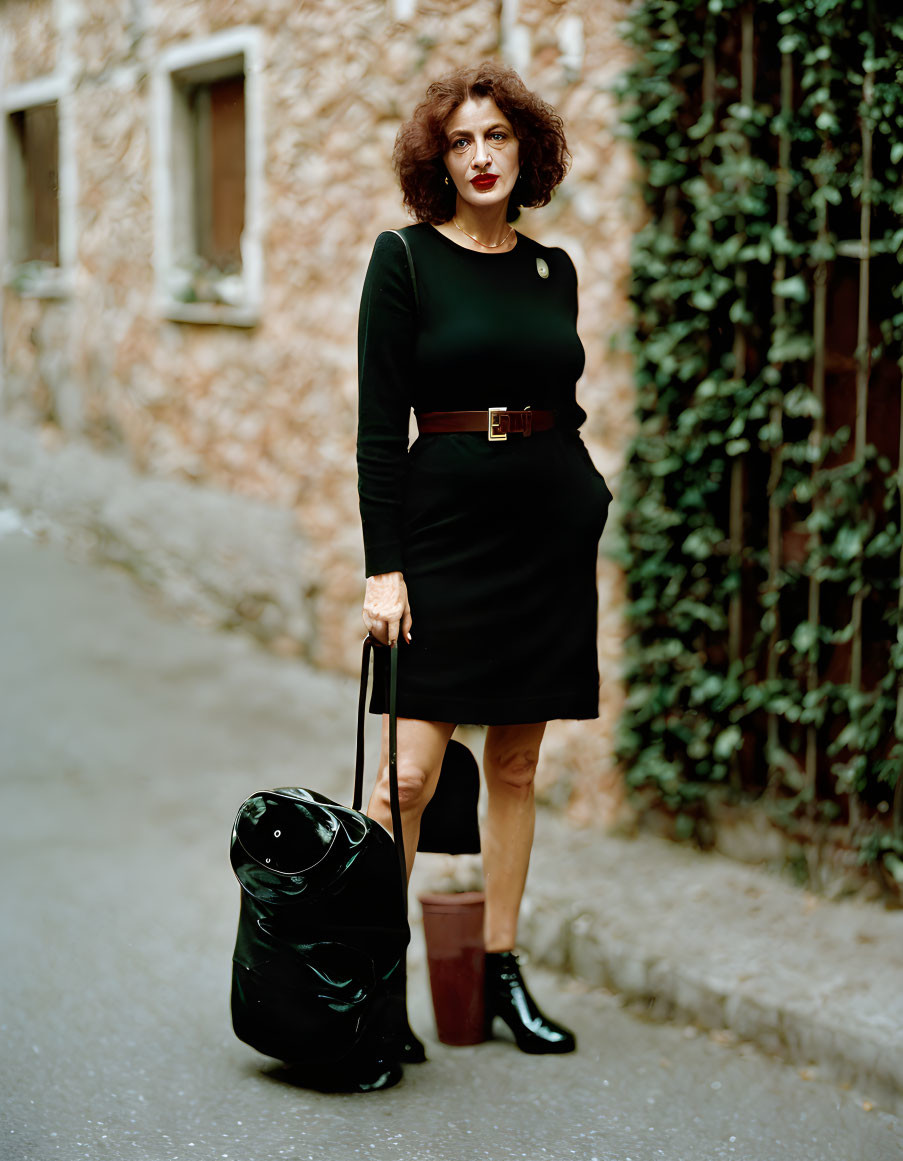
[497, 422]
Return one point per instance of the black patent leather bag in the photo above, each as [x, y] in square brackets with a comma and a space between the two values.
[323, 926]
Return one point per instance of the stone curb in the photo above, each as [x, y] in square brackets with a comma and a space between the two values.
[815, 982]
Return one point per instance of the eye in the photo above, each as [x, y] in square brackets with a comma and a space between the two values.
[499, 135]
[460, 143]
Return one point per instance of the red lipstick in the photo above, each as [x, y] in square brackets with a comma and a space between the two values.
[484, 180]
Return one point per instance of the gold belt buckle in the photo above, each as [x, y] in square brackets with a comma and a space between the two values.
[495, 423]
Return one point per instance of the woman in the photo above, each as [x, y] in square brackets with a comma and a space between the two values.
[481, 541]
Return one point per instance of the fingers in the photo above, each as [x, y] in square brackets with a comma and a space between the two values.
[383, 624]
[387, 632]
[387, 612]
[376, 628]
[389, 628]
[382, 610]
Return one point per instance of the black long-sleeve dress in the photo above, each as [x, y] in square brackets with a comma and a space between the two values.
[497, 540]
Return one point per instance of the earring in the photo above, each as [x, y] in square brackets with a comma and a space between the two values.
[446, 179]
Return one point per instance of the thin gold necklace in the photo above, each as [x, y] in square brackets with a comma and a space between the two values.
[488, 245]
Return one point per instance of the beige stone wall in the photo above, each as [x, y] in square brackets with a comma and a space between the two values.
[269, 411]
[30, 31]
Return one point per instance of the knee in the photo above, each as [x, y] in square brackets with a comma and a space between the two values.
[413, 786]
[514, 770]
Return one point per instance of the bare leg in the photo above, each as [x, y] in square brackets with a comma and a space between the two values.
[509, 765]
[421, 747]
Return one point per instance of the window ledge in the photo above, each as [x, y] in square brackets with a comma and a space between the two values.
[36, 280]
[211, 313]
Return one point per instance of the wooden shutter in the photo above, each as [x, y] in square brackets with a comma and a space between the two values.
[221, 172]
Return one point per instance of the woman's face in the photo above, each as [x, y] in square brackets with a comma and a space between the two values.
[482, 152]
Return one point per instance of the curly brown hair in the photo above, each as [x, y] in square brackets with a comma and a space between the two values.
[421, 143]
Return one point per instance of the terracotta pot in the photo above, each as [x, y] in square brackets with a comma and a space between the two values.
[453, 926]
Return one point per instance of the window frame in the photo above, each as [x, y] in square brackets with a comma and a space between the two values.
[197, 61]
[32, 279]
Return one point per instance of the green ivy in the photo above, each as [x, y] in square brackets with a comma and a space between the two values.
[725, 343]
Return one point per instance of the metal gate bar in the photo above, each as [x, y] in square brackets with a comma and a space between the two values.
[735, 609]
[862, 344]
[817, 435]
[776, 416]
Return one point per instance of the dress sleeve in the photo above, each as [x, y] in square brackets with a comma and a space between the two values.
[570, 275]
[386, 336]
[571, 414]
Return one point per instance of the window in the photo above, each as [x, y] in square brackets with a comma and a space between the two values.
[209, 126]
[34, 212]
[36, 162]
[208, 163]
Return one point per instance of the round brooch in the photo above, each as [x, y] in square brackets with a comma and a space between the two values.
[542, 268]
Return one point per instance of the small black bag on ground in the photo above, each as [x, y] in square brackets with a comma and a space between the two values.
[450, 822]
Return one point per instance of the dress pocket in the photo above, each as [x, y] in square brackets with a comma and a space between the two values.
[589, 460]
[600, 488]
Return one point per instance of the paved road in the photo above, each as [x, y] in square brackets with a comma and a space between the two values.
[128, 740]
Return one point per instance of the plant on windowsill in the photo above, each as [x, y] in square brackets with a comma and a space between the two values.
[37, 279]
[203, 281]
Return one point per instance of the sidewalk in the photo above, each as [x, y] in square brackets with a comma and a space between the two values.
[700, 937]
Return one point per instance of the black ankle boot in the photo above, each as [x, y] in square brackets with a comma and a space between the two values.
[400, 1042]
[507, 997]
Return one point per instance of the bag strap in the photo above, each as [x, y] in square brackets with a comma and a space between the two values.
[395, 805]
[407, 250]
[361, 719]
